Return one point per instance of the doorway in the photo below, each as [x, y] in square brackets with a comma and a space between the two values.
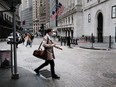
[100, 27]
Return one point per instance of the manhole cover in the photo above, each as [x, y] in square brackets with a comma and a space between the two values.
[46, 73]
[109, 75]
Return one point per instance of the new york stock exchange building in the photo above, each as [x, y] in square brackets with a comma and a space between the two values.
[84, 18]
[100, 19]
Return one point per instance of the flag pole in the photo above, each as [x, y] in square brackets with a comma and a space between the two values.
[56, 11]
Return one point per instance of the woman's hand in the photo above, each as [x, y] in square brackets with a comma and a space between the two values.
[53, 45]
[58, 47]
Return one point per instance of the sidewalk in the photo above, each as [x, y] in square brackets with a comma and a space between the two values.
[96, 46]
[26, 79]
[26, 64]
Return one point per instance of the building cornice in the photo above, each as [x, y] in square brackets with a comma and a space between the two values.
[66, 26]
[76, 8]
[94, 4]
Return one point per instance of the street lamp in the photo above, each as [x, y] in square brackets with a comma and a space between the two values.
[12, 9]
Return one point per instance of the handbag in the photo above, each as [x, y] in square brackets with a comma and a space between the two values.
[42, 54]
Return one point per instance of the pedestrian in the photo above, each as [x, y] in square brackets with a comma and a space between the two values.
[18, 39]
[23, 38]
[32, 37]
[28, 40]
[48, 44]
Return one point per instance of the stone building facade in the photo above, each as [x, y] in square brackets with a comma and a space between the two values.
[100, 19]
[88, 17]
[70, 21]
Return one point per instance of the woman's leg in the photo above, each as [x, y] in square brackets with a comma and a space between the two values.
[41, 66]
[52, 64]
[30, 44]
[26, 43]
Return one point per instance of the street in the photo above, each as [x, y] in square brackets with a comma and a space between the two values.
[77, 67]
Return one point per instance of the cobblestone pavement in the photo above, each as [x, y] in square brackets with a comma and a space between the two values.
[77, 67]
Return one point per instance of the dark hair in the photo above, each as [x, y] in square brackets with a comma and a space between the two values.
[49, 30]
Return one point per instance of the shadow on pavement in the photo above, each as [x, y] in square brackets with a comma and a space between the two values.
[26, 79]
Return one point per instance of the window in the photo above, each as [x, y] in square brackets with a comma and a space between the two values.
[72, 18]
[89, 18]
[66, 20]
[69, 20]
[88, 1]
[98, 1]
[10, 19]
[113, 12]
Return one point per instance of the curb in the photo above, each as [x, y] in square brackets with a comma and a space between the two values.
[93, 48]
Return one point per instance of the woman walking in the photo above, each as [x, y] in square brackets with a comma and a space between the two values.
[48, 44]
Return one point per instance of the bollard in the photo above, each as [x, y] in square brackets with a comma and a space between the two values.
[68, 41]
[64, 41]
[92, 40]
[110, 41]
[61, 40]
[76, 41]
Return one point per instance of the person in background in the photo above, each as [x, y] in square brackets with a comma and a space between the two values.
[23, 38]
[48, 44]
[28, 40]
[17, 38]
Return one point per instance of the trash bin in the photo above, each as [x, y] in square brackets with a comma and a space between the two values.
[5, 58]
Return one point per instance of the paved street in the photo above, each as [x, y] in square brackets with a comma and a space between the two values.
[77, 67]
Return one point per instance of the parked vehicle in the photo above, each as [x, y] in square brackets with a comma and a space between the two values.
[10, 38]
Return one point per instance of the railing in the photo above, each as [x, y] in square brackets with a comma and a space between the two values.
[89, 41]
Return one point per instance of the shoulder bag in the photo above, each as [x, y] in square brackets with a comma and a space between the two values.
[39, 53]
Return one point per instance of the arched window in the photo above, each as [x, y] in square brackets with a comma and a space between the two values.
[69, 20]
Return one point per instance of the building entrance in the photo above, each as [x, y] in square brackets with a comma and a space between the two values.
[100, 27]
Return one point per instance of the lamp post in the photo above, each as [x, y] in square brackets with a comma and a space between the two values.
[15, 75]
